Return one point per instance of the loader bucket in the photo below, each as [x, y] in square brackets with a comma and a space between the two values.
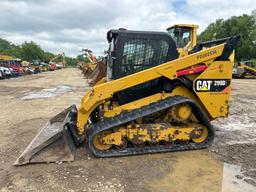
[53, 143]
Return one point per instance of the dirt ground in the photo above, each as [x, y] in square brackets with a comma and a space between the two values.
[28, 102]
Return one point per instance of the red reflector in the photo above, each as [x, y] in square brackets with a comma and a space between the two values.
[191, 70]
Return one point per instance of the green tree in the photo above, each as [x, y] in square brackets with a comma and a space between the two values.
[31, 51]
[4, 45]
[7, 48]
[244, 25]
[71, 62]
[82, 58]
[48, 56]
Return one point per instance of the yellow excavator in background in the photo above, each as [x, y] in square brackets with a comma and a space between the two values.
[153, 101]
[53, 65]
[185, 37]
[95, 70]
[88, 68]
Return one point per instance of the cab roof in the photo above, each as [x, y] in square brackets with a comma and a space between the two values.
[114, 32]
[183, 25]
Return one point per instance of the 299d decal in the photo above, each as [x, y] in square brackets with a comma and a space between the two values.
[211, 85]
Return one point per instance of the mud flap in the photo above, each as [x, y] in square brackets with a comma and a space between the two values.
[53, 143]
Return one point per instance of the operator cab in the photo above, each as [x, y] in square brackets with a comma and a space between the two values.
[133, 51]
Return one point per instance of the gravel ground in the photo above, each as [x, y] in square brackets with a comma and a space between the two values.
[235, 141]
[28, 102]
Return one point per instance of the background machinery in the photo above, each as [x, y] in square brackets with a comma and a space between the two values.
[244, 69]
[36, 66]
[8, 70]
[53, 64]
[14, 65]
[88, 68]
[95, 70]
[27, 68]
[153, 101]
[185, 37]
[6, 57]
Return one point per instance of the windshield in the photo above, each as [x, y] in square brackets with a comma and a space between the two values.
[140, 54]
[181, 36]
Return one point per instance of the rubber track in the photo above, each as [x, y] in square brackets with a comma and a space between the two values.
[125, 117]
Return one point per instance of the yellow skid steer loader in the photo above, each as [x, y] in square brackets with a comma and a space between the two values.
[153, 101]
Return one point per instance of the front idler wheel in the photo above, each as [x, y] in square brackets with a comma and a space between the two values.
[98, 141]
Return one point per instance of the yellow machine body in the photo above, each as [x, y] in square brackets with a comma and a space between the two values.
[172, 120]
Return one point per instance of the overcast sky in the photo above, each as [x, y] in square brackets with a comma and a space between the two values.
[69, 25]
